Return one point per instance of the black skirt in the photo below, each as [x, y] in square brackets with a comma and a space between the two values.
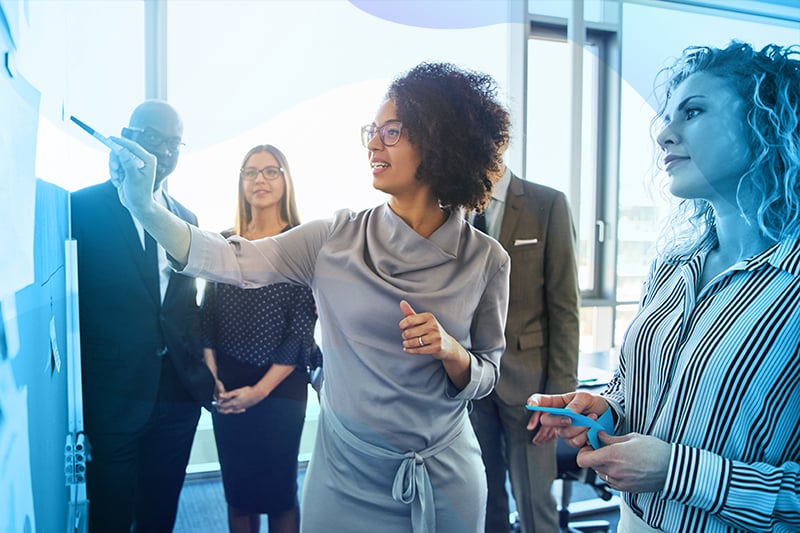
[258, 449]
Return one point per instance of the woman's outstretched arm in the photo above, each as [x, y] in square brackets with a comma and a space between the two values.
[135, 188]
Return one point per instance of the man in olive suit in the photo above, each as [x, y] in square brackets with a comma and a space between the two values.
[534, 224]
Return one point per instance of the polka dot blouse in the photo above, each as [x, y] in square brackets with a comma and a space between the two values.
[272, 324]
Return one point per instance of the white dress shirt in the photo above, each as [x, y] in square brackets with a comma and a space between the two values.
[163, 264]
[497, 205]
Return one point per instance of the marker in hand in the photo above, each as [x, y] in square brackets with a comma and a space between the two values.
[108, 142]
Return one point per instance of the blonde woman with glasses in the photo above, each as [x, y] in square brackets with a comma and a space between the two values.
[259, 344]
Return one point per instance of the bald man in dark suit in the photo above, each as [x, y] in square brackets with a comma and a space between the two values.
[144, 379]
[534, 224]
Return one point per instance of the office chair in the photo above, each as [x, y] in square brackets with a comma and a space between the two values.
[569, 472]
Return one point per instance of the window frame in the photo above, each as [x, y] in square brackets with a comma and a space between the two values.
[603, 247]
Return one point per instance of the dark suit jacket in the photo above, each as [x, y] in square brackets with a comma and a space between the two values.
[542, 329]
[123, 324]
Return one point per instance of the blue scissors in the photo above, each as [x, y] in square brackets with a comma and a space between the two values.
[604, 423]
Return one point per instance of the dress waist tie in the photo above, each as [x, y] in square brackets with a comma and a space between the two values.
[412, 485]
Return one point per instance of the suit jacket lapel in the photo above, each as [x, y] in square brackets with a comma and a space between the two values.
[173, 208]
[127, 232]
[514, 201]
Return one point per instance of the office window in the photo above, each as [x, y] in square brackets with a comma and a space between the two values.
[548, 153]
[548, 137]
[247, 73]
[642, 204]
[620, 206]
[87, 60]
[593, 10]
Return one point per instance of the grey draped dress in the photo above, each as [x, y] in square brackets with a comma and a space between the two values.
[395, 451]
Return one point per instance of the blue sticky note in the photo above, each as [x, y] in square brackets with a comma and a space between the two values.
[604, 423]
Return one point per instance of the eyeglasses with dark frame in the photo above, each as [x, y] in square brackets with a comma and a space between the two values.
[389, 133]
[251, 173]
[149, 138]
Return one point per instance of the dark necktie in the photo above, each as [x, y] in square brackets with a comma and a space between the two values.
[480, 221]
[151, 260]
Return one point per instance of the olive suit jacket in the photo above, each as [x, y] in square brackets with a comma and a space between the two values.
[123, 324]
[542, 328]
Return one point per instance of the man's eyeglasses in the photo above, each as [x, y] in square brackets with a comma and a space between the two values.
[152, 140]
[251, 173]
[389, 133]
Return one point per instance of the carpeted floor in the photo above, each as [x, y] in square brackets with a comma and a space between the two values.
[202, 506]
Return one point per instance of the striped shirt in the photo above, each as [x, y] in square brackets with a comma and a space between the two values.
[716, 374]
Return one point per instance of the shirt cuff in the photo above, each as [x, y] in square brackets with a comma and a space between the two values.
[697, 478]
[480, 383]
[618, 412]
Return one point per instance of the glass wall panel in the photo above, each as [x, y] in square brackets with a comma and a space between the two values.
[304, 76]
[593, 10]
[642, 205]
[87, 59]
[596, 329]
[548, 136]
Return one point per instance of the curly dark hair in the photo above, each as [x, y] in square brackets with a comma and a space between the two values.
[453, 118]
[768, 81]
